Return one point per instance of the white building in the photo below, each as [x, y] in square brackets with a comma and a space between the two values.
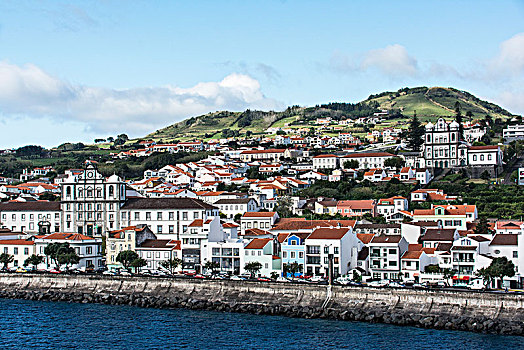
[341, 244]
[31, 217]
[20, 249]
[90, 202]
[262, 220]
[89, 249]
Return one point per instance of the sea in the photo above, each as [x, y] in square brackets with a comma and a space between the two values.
[56, 325]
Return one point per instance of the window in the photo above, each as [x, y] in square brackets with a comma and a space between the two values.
[159, 216]
[392, 263]
[89, 250]
[184, 215]
[215, 251]
[489, 156]
[148, 215]
[259, 253]
[335, 250]
[481, 157]
[474, 157]
[15, 250]
[284, 255]
[392, 251]
[124, 215]
[515, 254]
[292, 255]
[26, 251]
[326, 260]
[195, 215]
[448, 222]
[171, 229]
[159, 229]
[301, 255]
[137, 216]
[326, 250]
[171, 216]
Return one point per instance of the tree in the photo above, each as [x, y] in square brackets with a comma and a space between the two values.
[34, 260]
[284, 206]
[486, 274]
[171, 264]
[394, 162]
[458, 119]
[68, 258]
[482, 227]
[253, 267]
[415, 135]
[110, 139]
[469, 114]
[486, 176]
[212, 266]
[6, 259]
[293, 268]
[100, 140]
[351, 164]
[57, 253]
[274, 275]
[502, 267]
[138, 263]
[126, 257]
[357, 277]
[448, 273]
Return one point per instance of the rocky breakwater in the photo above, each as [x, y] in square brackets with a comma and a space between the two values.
[468, 311]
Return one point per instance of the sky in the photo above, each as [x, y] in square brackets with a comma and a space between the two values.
[73, 71]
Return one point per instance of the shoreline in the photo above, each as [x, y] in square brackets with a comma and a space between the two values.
[445, 310]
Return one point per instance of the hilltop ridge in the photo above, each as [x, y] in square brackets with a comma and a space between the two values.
[429, 104]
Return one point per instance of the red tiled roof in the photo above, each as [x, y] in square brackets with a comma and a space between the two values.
[16, 242]
[197, 223]
[328, 233]
[261, 214]
[258, 243]
[365, 237]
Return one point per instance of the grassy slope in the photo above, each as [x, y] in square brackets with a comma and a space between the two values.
[429, 104]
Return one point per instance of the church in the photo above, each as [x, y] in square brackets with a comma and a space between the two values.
[443, 149]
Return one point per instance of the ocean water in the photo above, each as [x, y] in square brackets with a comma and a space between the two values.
[52, 325]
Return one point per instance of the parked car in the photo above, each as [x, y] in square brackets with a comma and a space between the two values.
[125, 273]
[22, 269]
[108, 273]
[55, 271]
[317, 279]
[282, 279]
[236, 278]
[263, 279]
[395, 284]
[379, 284]
[199, 276]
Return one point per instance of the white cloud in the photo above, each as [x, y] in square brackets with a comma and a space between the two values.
[392, 60]
[510, 58]
[512, 101]
[30, 91]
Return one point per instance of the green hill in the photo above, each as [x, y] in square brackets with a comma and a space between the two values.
[429, 104]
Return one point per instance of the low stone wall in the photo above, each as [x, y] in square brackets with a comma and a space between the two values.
[470, 311]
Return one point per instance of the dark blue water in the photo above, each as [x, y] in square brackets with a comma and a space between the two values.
[47, 325]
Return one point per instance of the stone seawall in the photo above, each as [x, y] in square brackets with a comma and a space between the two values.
[440, 309]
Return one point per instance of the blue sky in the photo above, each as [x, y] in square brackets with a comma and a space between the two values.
[77, 70]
